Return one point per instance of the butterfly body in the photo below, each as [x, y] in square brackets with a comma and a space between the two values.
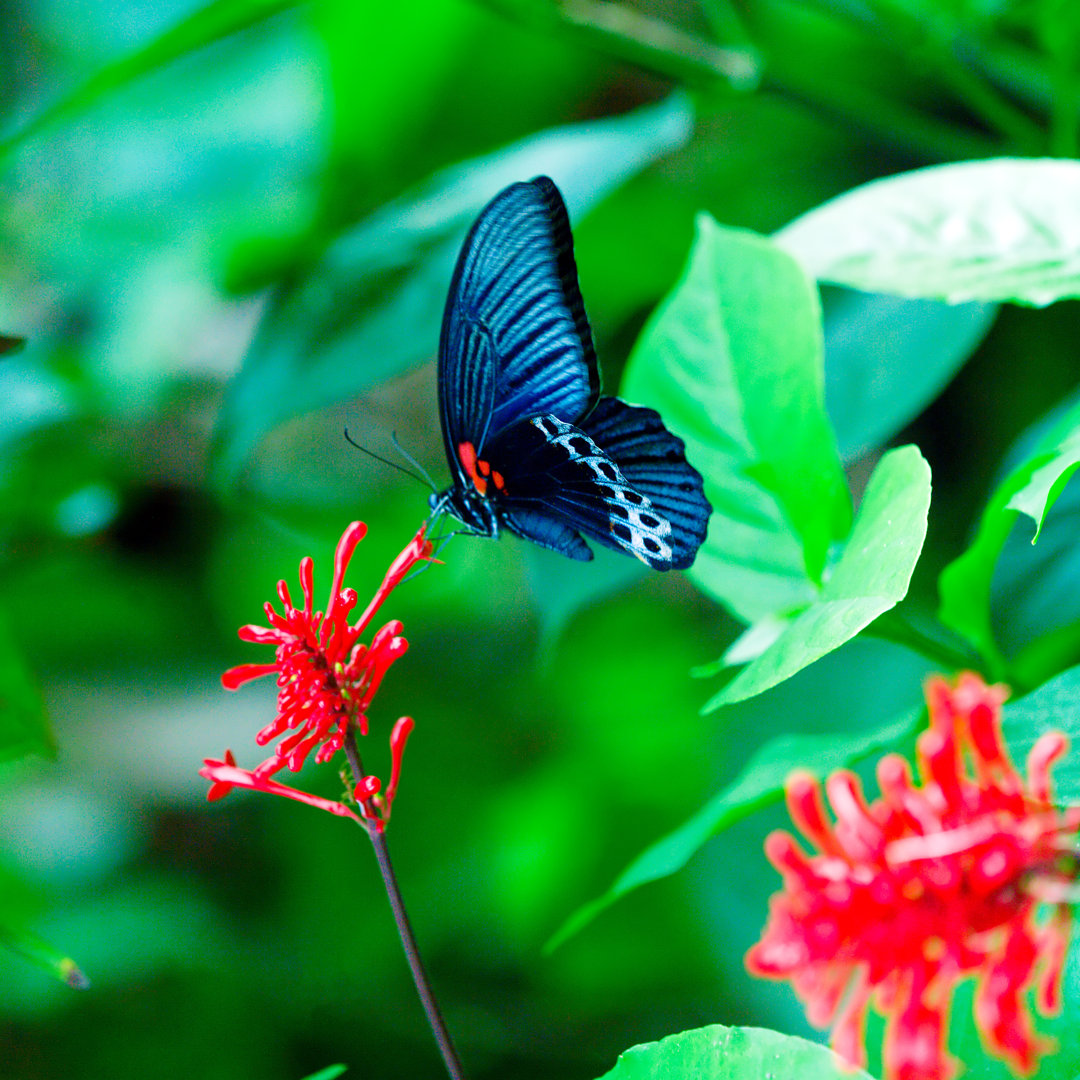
[533, 447]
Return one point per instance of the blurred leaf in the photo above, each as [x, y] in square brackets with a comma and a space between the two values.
[41, 953]
[887, 358]
[376, 106]
[760, 784]
[731, 1053]
[871, 577]
[10, 344]
[998, 230]
[24, 728]
[373, 307]
[562, 588]
[733, 361]
[1031, 488]
[33, 398]
[331, 1072]
[216, 20]
[1061, 1063]
[1054, 706]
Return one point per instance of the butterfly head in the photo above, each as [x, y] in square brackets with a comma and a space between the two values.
[468, 506]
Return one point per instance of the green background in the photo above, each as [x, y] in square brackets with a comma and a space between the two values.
[207, 246]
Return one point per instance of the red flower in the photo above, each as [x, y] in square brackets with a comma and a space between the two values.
[326, 681]
[933, 882]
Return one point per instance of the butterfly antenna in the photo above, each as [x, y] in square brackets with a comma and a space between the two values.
[393, 464]
[413, 462]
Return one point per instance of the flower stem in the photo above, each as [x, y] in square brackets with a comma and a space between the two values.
[405, 931]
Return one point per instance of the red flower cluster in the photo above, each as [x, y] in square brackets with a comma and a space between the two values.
[933, 882]
[326, 681]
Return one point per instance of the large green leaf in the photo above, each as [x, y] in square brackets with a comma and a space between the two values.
[732, 1053]
[733, 361]
[207, 24]
[1031, 488]
[372, 308]
[760, 784]
[887, 358]
[871, 577]
[1000, 229]
[1054, 706]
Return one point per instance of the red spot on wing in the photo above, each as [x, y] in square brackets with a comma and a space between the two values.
[467, 453]
[484, 468]
[497, 479]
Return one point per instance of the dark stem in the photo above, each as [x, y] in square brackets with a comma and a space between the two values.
[892, 626]
[405, 932]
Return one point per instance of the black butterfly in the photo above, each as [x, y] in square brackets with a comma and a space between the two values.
[533, 446]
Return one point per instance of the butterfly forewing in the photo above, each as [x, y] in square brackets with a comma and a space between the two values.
[515, 341]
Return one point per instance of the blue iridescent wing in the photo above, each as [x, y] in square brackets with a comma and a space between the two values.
[556, 483]
[653, 461]
[515, 341]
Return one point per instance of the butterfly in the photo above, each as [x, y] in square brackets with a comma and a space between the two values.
[533, 447]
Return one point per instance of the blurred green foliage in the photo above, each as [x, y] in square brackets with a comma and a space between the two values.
[226, 236]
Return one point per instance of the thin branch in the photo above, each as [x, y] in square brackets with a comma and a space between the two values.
[658, 47]
[404, 927]
[909, 32]
[639, 39]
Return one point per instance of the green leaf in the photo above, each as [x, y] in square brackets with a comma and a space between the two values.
[43, 955]
[887, 358]
[331, 1072]
[733, 361]
[381, 106]
[871, 577]
[760, 784]
[996, 230]
[208, 24]
[1054, 706]
[1031, 488]
[562, 588]
[23, 726]
[732, 1053]
[1047, 481]
[372, 308]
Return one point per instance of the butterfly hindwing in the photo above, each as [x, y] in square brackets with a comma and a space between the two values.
[653, 460]
[515, 340]
[553, 471]
[535, 524]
